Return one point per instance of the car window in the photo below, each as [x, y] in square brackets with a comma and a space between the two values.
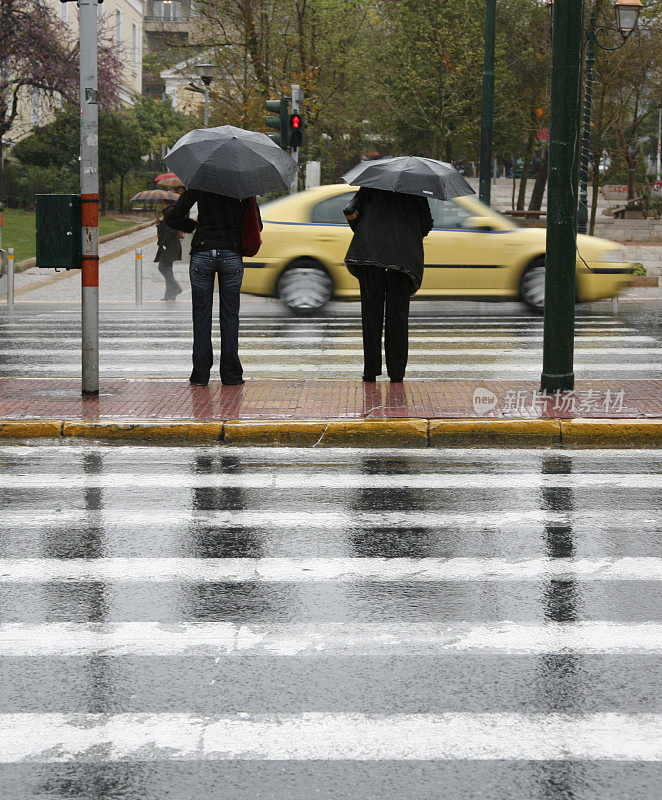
[447, 214]
[330, 210]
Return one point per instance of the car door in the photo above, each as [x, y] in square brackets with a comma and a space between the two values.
[330, 234]
[459, 259]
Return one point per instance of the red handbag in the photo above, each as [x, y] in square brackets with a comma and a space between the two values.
[250, 229]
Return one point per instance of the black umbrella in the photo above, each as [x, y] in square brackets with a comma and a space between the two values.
[231, 161]
[410, 175]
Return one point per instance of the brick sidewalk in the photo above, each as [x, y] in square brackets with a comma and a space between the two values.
[270, 399]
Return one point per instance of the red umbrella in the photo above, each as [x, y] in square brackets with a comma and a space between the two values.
[165, 175]
[155, 194]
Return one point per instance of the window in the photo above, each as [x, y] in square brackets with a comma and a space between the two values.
[36, 106]
[134, 44]
[447, 214]
[118, 28]
[167, 9]
[330, 210]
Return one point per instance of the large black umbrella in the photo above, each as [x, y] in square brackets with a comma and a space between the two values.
[231, 161]
[410, 175]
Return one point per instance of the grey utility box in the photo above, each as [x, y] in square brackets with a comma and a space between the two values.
[59, 238]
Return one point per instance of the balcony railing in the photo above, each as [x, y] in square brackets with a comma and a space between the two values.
[164, 11]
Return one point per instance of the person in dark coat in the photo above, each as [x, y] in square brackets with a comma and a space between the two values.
[215, 250]
[386, 255]
[169, 250]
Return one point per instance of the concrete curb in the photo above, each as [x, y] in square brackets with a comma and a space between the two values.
[620, 433]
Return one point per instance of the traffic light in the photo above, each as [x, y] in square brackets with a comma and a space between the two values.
[280, 122]
[296, 130]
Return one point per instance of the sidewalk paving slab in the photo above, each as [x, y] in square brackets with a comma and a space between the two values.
[338, 412]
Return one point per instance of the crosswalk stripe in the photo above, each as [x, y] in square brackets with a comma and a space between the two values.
[335, 351]
[351, 519]
[342, 570]
[477, 370]
[351, 458]
[59, 738]
[334, 480]
[67, 639]
[338, 341]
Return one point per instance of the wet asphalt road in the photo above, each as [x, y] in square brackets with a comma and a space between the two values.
[447, 339]
[182, 622]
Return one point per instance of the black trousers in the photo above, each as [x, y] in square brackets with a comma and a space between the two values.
[384, 289]
[172, 285]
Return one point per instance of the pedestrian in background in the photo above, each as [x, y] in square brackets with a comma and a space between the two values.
[169, 250]
[386, 255]
[216, 249]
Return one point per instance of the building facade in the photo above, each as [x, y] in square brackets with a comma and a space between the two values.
[122, 23]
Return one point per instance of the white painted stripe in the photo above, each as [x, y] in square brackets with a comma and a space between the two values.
[66, 639]
[312, 322]
[63, 738]
[152, 315]
[335, 351]
[349, 457]
[493, 370]
[338, 341]
[496, 519]
[343, 570]
[330, 480]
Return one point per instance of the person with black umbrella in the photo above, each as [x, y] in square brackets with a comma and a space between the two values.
[390, 217]
[216, 249]
[224, 169]
[386, 255]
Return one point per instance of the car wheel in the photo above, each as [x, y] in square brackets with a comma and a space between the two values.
[532, 286]
[305, 287]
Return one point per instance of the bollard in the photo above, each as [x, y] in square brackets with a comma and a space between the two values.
[10, 278]
[614, 304]
[139, 278]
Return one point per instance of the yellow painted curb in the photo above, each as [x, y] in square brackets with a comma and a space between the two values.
[298, 433]
[24, 429]
[153, 431]
[611, 432]
[490, 432]
[376, 433]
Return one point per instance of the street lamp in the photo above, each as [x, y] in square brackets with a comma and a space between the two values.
[207, 72]
[488, 105]
[627, 14]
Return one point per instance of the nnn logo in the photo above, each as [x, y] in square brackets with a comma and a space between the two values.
[484, 401]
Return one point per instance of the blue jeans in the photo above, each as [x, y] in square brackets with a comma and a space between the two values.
[230, 269]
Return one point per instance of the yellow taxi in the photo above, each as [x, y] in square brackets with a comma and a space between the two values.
[471, 252]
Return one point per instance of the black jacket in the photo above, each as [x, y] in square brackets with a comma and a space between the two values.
[169, 246]
[389, 232]
[219, 220]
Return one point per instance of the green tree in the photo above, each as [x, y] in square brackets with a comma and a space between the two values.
[122, 143]
[161, 124]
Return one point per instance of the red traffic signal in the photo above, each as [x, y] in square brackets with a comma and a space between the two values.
[296, 130]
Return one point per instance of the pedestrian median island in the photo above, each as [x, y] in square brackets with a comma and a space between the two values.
[337, 413]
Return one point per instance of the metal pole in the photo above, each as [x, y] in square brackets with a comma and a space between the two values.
[139, 278]
[10, 279]
[484, 191]
[659, 145]
[89, 188]
[206, 102]
[296, 109]
[558, 332]
[582, 210]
